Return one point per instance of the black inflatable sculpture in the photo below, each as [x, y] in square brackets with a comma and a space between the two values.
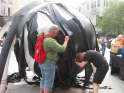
[26, 24]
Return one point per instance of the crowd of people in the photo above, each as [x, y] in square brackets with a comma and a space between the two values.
[116, 45]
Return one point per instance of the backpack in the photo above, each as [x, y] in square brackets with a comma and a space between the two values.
[39, 52]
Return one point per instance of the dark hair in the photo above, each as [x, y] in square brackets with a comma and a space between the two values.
[78, 59]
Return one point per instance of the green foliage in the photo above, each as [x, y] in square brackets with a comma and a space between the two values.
[113, 20]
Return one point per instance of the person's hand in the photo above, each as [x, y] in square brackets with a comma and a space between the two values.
[79, 64]
[66, 38]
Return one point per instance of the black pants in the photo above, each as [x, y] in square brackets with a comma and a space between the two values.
[100, 73]
[111, 55]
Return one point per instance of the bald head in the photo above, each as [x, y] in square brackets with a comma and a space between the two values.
[119, 37]
[53, 30]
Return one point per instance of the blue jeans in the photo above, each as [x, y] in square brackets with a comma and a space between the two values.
[48, 75]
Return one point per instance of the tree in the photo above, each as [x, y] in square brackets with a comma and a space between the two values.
[112, 22]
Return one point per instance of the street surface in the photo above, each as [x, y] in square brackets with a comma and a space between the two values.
[113, 81]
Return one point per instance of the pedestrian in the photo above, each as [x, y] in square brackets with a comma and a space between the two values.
[99, 62]
[122, 48]
[103, 45]
[2, 39]
[48, 66]
[116, 45]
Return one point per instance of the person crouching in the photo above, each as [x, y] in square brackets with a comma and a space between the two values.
[98, 60]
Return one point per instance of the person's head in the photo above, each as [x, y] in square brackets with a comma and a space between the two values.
[80, 56]
[53, 31]
[123, 41]
[119, 37]
[123, 37]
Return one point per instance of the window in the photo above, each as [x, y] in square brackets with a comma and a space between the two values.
[98, 3]
[104, 3]
[8, 11]
[93, 5]
[87, 6]
[4, 10]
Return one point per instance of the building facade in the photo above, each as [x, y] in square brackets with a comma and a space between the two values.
[5, 12]
[18, 4]
[5, 6]
[9, 7]
[93, 8]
